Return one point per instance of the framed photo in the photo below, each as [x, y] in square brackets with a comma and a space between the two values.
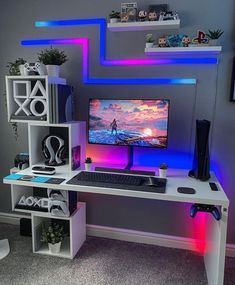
[232, 90]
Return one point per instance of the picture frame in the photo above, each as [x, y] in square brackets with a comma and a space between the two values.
[232, 89]
[129, 12]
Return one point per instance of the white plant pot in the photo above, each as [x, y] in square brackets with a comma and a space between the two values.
[23, 70]
[162, 173]
[53, 70]
[114, 20]
[87, 166]
[214, 42]
[149, 45]
[42, 69]
[54, 248]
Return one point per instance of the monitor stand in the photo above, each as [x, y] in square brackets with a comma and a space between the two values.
[127, 169]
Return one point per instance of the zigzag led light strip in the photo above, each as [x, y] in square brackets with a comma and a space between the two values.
[103, 61]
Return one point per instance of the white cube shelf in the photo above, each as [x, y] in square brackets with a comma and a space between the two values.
[74, 135]
[71, 244]
[31, 98]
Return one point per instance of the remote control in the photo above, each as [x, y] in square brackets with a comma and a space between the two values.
[213, 186]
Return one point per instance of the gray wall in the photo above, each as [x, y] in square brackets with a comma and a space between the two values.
[208, 100]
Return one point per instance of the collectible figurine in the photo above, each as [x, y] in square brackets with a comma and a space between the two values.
[162, 42]
[152, 15]
[142, 16]
[124, 18]
[166, 16]
[186, 41]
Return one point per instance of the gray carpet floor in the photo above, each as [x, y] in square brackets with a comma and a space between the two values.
[103, 261]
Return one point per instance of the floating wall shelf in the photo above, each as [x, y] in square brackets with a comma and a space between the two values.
[143, 26]
[184, 50]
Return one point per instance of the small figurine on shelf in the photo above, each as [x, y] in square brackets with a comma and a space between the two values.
[114, 17]
[142, 16]
[186, 41]
[152, 16]
[162, 42]
[166, 16]
[200, 38]
[125, 18]
[149, 41]
[214, 36]
[88, 162]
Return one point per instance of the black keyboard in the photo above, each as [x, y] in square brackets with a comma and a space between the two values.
[119, 181]
[109, 178]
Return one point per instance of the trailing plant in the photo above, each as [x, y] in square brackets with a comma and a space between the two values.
[115, 15]
[14, 66]
[52, 234]
[214, 35]
[149, 38]
[52, 56]
[163, 166]
[88, 160]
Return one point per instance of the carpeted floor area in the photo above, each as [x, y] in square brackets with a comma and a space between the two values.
[103, 262]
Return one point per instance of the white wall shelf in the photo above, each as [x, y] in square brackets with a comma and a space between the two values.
[71, 244]
[144, 26]
[184, 50]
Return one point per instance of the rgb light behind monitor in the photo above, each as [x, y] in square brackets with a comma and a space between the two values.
[129, 122]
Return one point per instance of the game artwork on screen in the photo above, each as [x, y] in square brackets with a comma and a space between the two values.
[129, 122]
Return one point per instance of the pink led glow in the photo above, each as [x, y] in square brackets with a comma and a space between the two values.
[136, 61]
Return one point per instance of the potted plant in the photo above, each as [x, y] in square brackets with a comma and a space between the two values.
[88, 162]
[53, 236]
[214, 36]
[114, 17]
[149, 40]
[52, 58]
[17, 67]
[163, 170]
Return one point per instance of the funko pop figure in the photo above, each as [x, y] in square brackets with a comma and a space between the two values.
[186, 41]
[162, 42]
[152, 16]
[142, 15]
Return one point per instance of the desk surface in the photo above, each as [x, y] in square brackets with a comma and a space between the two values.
[176, 178]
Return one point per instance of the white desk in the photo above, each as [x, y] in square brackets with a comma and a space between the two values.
[216, 230]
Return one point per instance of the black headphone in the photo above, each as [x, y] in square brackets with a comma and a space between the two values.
[54, 152]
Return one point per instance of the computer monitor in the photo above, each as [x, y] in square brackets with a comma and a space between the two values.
[132, 122]
[129, 122]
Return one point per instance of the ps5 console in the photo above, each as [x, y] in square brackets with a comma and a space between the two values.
[201, 161]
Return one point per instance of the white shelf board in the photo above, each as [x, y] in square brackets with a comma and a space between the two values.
[144, 26]
[190, 49]
[51, 79]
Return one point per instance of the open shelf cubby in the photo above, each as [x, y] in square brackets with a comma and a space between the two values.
[73, 135]
[74, 227]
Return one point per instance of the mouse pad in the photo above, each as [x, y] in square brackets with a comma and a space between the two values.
[186, 190]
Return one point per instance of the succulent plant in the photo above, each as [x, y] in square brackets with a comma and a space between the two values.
[114, 15]
[52, 56]
[88, 160]
[163, 166]
[214, 35]
[149, 38]
[54, 233]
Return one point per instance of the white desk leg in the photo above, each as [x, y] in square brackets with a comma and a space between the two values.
[214, 256]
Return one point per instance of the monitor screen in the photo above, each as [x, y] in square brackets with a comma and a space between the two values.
[129, 122]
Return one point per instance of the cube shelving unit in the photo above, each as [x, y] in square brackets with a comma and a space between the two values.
[74, 135]
[71, 244]
[31, 98]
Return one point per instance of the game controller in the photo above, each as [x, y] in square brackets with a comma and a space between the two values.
[205, 208]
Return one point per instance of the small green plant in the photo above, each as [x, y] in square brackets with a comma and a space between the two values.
[52, 234]
[214, 35]
[163, 166]
[149, 38]
[14, 66]
[52, 56]
[88, 160]
[114, 15]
